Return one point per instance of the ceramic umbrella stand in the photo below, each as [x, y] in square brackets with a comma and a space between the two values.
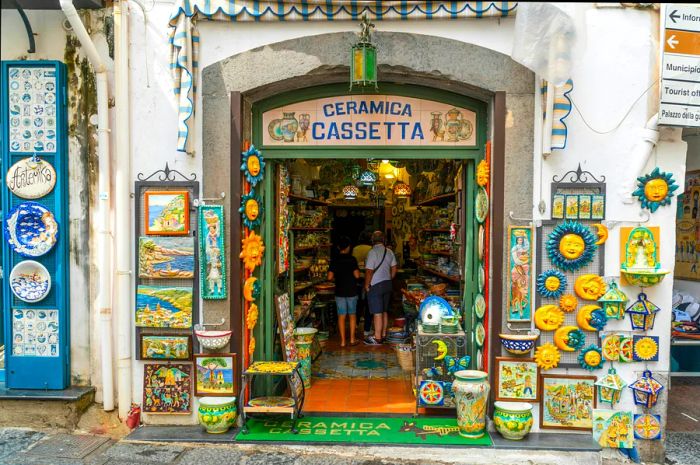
[471, 388]
[304, 339]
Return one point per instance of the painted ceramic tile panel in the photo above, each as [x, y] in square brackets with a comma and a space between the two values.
[164, 307]
[212, 254]
[166, 257]
[567, 403]
[519, 274]
[647, 426]
[156, 347]
[613, 429]
[35, 332]
[688, 229]
[571, 207]
[167, 388]
[517, 380]
[558, 206]
[215, 375]
[584, 207]
[598, 207]
[167, 213]
[32, 101]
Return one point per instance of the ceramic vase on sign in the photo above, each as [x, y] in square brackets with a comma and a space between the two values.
[217, 414]
[513, 420]
[31, 178]
[471, 389]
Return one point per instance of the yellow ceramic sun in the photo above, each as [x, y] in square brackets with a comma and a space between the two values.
[252, 319]
[568, 303]
[251, 346]
[548, 317]
[646, 348]
[252, 209]
[590, 286]
[583, 317]
[561, 338]
[592, 358]
[552, 283]
[441, 349]
[252, 250]
[602, 233]
[571, 246]
[547, 356]
[249, 288]
[253, 165]
[482, 173]
[656, 189]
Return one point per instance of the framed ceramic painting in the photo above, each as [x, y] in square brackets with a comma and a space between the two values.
[517, 379]
[584, 206]
[598, 207]
[165, 347]
[571, 211]
[214, 375]
[166, 257]
[167, 213]
[567, 402]
[558, 206]
[164, 307]
[687, 227]
[519, 273]
[167, 388]
[614, 429]
[212, 256]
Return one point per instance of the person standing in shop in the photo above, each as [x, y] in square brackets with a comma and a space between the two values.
[345, 272]
[380, 269]
[360, 252]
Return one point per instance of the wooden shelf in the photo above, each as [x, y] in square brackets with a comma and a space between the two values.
[310, 229]
[303, 249]
[301, 288]
[454, 279]
[446, 253]
[300, 269]
[308, 199]
[438, 200]
[439, 230]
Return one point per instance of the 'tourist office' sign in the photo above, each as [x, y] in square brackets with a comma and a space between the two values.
[369, 120]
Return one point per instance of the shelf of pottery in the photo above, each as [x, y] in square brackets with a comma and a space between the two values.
[439, 246]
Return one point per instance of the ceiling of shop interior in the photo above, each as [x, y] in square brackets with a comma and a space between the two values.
[49, 4]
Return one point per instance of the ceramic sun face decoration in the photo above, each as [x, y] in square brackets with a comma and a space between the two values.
[251, 289]
[551, 283]
[252, 318]
[569, 338]
[591, 358]
[571, 246]
[253, 165]
[482, 173]
[252, 251]
[251, 210]
[548, 317]
[568, 303]
[547, 356]
[655, 189]
[590, 286]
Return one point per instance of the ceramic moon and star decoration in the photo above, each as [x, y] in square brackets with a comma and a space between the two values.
[655, 189]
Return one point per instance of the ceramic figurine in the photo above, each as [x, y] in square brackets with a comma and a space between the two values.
[571, 246]
[655, 189]
[641, 266]
[217, 414]
[551, 284]
[471, 389]
[513, 420]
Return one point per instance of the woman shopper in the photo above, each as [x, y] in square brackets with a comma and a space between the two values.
[380, 269]
[345, 272]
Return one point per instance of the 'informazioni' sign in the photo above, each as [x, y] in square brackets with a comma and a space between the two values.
[31, 178]
[369, 120]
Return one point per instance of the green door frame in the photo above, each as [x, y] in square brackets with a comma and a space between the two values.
[472, 155]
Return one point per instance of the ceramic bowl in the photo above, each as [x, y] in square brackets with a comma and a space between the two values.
[217, 414]
[518, 344]
[30, 281]
[644, 278]
[305, 335]
[212, 340]
[513, 420]
[31, 229]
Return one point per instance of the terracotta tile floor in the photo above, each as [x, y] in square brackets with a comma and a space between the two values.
[362, 378]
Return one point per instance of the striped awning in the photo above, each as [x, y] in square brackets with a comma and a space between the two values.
[184, 38]
[560, 111]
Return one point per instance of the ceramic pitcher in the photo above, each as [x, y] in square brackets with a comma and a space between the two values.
[471, 388]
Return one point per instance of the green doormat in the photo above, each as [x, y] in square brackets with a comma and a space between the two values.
[436, 431]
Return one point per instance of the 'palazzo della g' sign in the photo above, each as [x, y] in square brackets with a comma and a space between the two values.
[31, 178]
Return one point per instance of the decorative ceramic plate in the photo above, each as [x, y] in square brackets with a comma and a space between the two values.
[479, 306]
[437, 306]
[431, 392]
[272, 401]
[647, 426]
[482, 242]
[31, 229]
[482, 205]
[479, 360]
[611, 347]
[30, 281]
[479, 334]
[481, 278]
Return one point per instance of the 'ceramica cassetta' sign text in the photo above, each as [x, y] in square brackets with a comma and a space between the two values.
[369, 120]
[31, 178]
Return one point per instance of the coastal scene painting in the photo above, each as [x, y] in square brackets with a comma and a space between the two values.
[214, 374]
[567, 402]
[156, 347]
[167, 213]
[164, 307]
[166, 257]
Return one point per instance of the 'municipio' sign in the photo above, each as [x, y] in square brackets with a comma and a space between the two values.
[31, 178]
[369, 120]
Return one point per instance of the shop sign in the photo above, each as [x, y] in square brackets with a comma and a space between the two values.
[680, 73]
[369, 120]
[31, 178]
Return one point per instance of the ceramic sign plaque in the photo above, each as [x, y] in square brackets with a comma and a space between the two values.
[35, 332]
[519, 275]
[31, 178]
[32, 112]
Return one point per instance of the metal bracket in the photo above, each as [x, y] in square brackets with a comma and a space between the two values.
[530, 331]
[530, 221]
[166, 174]
[27, 26]
[578, 176]
[202, 201]
[645, 215]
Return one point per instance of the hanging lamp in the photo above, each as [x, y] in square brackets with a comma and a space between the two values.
[363, 59]
[402, 190]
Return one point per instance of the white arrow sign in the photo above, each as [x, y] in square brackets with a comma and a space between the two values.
[672, 42]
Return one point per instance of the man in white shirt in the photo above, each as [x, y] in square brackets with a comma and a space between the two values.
[380, 269]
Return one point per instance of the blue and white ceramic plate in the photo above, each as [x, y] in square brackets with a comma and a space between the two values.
[30, 281]
[435, 306]
[31, 229]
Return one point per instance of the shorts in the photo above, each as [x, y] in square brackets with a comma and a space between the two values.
[379, 297]
[346, 305]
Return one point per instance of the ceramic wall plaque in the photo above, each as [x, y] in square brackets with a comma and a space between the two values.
[166, 257]
[32, 112]
[31, 178]
[516, 379]
[31, 229]
[215, 374]
[165, 347]
[30, 281]
[567, 402]
[212, 256]
[35, 332]
[164, 307]
[613, 428]
[167, 388]
[519, 274]
[167, 213]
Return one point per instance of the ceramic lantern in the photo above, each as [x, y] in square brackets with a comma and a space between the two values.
[613, 302]
[646, 390]
[642, 313]
[610, 388]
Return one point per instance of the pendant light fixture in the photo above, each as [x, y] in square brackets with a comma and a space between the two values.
[363, 59]
[402, 190]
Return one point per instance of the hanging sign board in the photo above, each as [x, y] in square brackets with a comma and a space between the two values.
[31, 178]
[369, 120]
[680, 73]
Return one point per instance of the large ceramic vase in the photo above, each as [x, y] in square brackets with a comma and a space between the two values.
[217, 414]
[513, 420]
[471, 389]
[304, 352]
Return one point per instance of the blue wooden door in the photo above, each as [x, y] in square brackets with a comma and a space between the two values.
[36, 326]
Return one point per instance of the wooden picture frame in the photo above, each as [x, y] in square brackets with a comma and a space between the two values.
[589, 402]
[175, 222]
[509, 362]
[221, 386]
[147, 352]
[212, 255]
[519, 274]
[167, 388]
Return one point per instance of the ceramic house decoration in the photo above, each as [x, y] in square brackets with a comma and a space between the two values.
[642, 313]
[646, 390]
[641, 266]
[610, 388]
[613, 302]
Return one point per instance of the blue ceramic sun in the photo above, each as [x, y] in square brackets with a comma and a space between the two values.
[253, 165]
[655, 189]
[571, 246]
[551, 283]
[251, 210]
[591, 358]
